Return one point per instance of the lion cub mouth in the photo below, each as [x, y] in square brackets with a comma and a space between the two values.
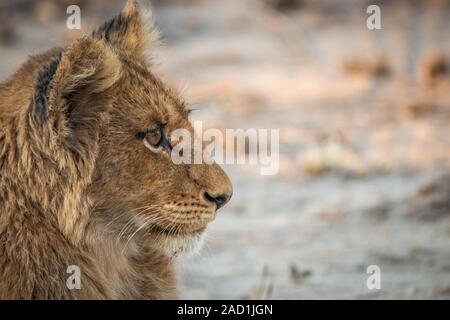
[157, 230]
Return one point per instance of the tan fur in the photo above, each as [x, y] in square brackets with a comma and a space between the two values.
[78, 187]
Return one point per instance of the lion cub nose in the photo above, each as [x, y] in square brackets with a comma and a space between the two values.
[212, 183]
[219, 200]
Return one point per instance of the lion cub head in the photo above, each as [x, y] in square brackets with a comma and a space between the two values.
[136, 186]
[102, 121]
[135, 183]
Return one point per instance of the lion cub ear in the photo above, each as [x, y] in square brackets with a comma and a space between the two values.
[73, 90]
[132, 31]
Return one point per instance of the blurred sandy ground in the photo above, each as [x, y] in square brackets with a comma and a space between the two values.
[364, 127]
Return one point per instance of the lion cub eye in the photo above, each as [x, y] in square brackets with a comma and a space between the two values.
[154, 137]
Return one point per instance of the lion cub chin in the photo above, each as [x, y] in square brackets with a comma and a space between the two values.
[182, 245]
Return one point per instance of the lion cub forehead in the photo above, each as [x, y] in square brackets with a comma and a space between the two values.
[143, 95]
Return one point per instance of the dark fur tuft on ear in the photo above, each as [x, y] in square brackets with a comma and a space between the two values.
[74, 86]
[132, 31]
[43, 85]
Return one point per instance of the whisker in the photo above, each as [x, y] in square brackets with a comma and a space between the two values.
[131, 221]
[146, 222]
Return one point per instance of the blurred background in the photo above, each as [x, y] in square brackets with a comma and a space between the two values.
[364, 119]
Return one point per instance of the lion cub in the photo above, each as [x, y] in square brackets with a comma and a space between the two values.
[86, 177]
